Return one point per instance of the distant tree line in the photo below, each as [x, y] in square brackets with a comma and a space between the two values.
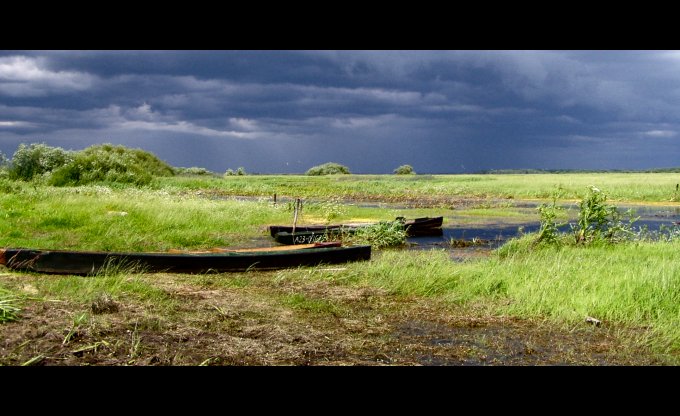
[530, 171]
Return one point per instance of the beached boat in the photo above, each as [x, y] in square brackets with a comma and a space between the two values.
[416, 227]
[91, 262]
[308, 237]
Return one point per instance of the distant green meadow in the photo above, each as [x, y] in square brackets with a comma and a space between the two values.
[630, 187]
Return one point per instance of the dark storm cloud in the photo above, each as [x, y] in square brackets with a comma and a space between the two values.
[284, 111]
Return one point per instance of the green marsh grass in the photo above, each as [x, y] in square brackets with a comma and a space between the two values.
[113, 282]
[631, 285]
[314, 305]
[633, 187]
[133, 219]
[128, 219]
[9, 305]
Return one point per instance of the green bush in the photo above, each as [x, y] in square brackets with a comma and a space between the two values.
[599, 221]
[239, 172]
[109, 163]
[329, 168]
[404, 170]
[4, 161]
[193, 171]
[37, 159]
[549, 231]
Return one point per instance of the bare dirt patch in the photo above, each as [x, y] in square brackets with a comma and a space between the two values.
[262, 319]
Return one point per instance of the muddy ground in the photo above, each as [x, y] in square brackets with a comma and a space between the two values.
[272, 319]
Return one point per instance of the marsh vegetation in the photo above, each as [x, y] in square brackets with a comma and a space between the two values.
[523, 303]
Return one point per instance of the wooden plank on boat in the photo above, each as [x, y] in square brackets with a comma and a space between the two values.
[259, 249]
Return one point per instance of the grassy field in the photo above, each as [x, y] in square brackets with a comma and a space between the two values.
[630, 187]
[522, 304]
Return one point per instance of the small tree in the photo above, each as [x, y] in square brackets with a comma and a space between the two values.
[330, 168]
[37, 159]
[241, 171]
[404, 170]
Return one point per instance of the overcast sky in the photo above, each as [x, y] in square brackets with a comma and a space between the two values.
[286, 111]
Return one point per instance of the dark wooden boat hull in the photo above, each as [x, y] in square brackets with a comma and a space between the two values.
[305, 237]
[275, 229]
[425, 222]
[88, 263]
[425, 232]
[418, 227]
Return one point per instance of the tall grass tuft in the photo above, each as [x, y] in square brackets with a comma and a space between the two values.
[381, 235]
[9, 309]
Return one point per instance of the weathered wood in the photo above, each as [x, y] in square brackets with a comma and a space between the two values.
[259, 249]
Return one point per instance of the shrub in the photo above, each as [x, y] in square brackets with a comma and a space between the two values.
[4, 166]
[549, 231]
[329, 168]
[4, 162]
[239, 172]
[37, 159]
[109, 163]
[599, 221]
[193, 171]
[404, 170]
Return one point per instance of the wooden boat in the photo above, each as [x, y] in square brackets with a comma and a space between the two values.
[416, 227]
[90, 262]
[306, 237]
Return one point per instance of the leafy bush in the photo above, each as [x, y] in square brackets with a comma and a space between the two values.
[239, 172]
[109, 163]
[37, 159]
[549, 233]
[329, 168]
[599, 221]
[404, 170]
[193, 171]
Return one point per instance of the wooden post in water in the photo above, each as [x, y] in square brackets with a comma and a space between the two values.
[295, 218]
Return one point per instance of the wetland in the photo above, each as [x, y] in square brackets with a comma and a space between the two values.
[501, 301]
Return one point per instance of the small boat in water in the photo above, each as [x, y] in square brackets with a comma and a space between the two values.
[426, 226]
[308, 237]
[221, 260]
